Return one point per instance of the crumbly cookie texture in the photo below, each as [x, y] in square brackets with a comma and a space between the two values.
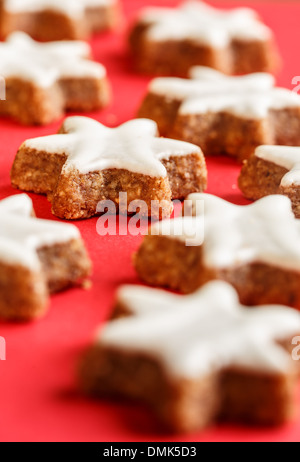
[37, 258]
[222, 114]
[196, 359]
[272, 170]
[255, 248]
[58, 19]
[168, 41]
[44, 80]
[88, 163]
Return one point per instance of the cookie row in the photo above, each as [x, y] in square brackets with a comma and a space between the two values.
[61, 78]
[206, 357]
[233, 41]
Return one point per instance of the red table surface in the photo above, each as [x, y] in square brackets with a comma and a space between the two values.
[39, 400]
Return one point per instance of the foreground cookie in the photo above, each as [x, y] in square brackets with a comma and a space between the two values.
[255, 248]
[273, 170]
[87, 163]
[197, 359]
[169, 41]
[58, 19]
[224, 115]
[37, 257]
[45, 80]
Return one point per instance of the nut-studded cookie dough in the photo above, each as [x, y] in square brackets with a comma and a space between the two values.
[37, 258]
[168, 41]
[197, 359]
[43, 80]
[256, 248]
[224, 115]
[272, 170]
[57, 19]
[88, 163]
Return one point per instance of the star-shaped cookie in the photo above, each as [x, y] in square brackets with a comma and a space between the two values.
[169, 41]
[47, 20]
[88, 163]
[37, 257]
[224, 115]
[197, 359]
[43, 80]
[256, 248]
[273, 170]
[166, 95]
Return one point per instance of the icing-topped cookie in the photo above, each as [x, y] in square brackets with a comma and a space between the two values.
[273, 170]
[49, 62]
[233, 41]
[86, 148]
[29, 250]
[175, 329]
[19, 244]
[235, 234]
[250, 246]
[199, 22]
[56, 69]
[286, 157]
[223, 114]
[190, 339]
[57, 19]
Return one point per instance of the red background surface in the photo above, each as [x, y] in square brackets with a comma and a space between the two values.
[39, 400]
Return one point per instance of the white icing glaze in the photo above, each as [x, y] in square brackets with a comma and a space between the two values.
[252, 105]
[209, 74]
[214, 85]
[203, 24]
[46, 63]
[20, 204]
[264, 232]
[201, 333]
[262, 80]
[284, 156]
[71, 8]
[90, 146]
[22, 235]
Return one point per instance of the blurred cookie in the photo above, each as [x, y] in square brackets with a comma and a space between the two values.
[224, 115]
[43, 80]
[37, 257]
[168, 41]
[256, 248]
[197, 359]
[272, 170]
[57, 19]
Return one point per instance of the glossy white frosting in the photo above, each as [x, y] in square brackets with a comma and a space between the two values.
[264, 232]
[91, 146]
[195, 335]
[71, 8]
[21, 235]
[201, 23]
[251, 105]
[45, 63]
[208, 82]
